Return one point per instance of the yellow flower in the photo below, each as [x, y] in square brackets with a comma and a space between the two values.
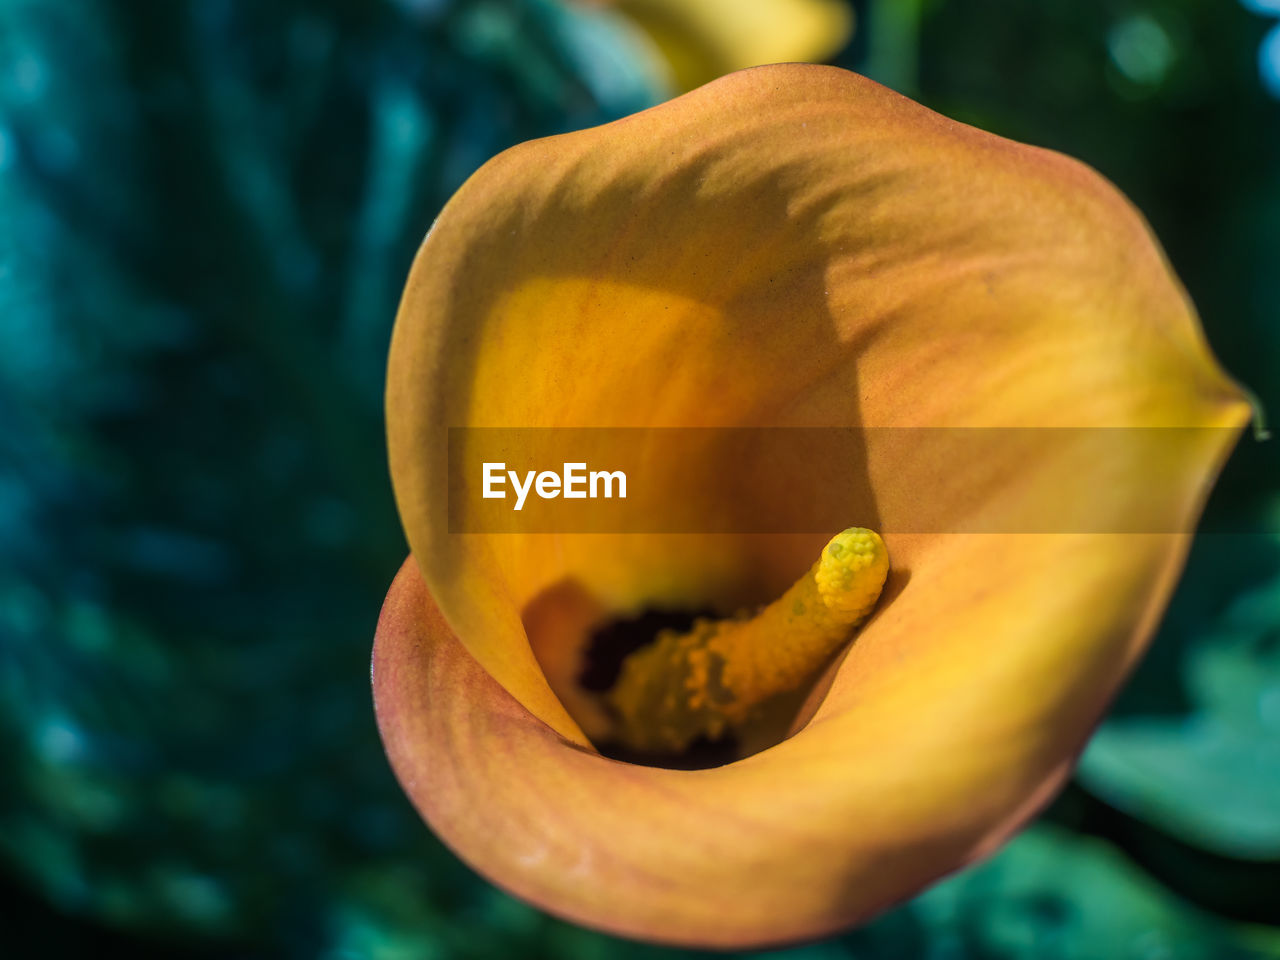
[788, 246]
[703, 39]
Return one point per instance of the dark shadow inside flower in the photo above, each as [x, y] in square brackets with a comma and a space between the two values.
[594, 662]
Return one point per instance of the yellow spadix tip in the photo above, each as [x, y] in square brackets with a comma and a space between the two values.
[852, 570]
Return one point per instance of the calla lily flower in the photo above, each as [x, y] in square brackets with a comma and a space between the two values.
[790, 245]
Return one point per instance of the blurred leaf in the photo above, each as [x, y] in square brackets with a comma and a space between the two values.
[1212, 776]
[1053, 895]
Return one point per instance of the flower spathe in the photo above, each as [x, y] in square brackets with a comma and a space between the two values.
[789, 245]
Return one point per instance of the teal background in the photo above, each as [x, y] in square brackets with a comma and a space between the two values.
[207, 210]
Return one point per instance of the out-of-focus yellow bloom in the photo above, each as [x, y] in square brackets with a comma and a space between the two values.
[704, 39]
[790, 245]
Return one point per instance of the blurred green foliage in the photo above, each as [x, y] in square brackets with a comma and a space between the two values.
[209, 210]
[1211, 774]
[206, 213]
